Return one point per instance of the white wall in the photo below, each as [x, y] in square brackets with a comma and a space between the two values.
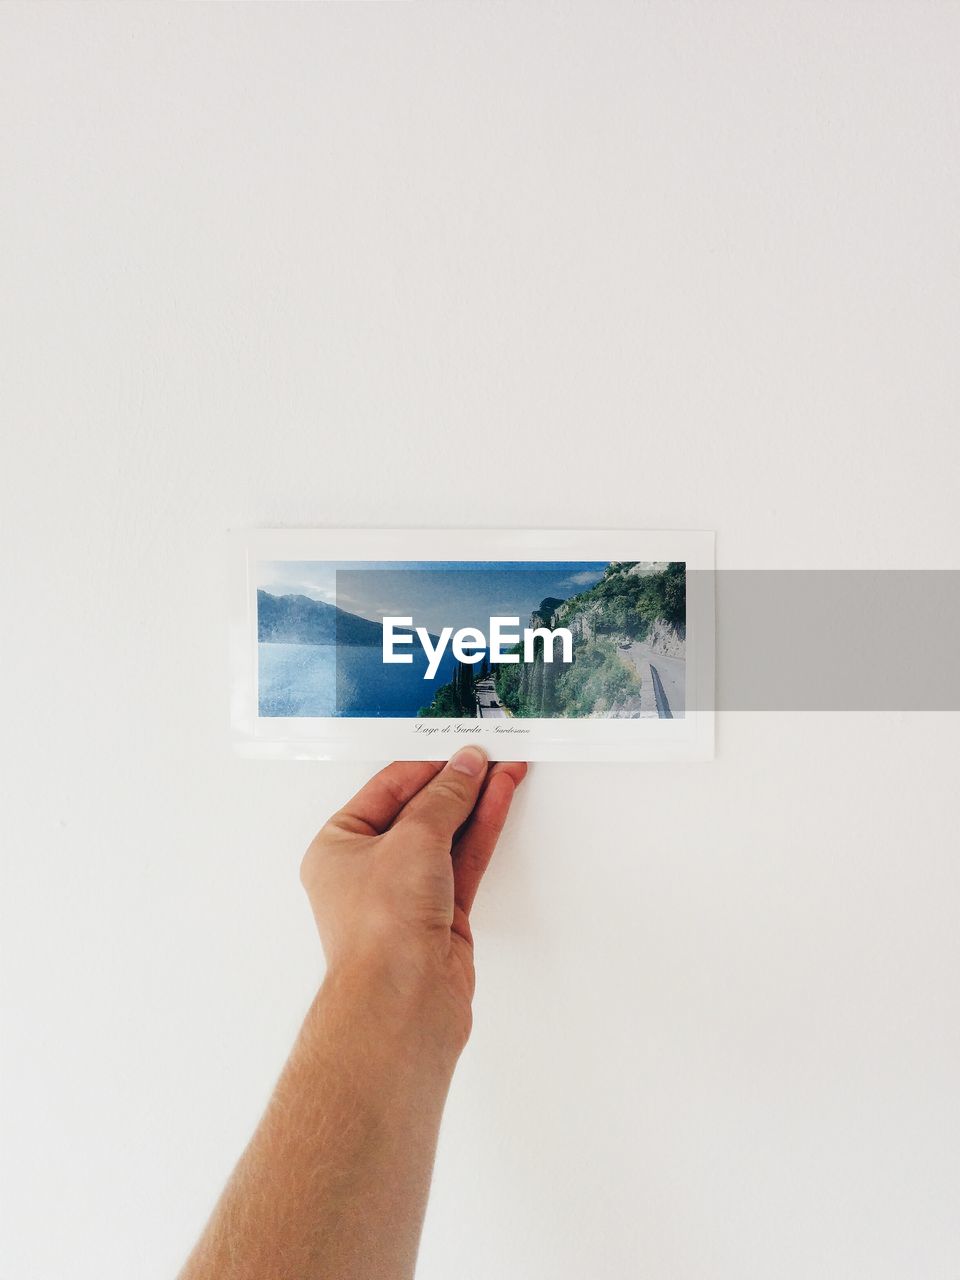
[664, 265]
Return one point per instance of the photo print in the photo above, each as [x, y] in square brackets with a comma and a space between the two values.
[532, 655]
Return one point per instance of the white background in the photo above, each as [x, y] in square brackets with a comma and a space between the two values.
[660, 265]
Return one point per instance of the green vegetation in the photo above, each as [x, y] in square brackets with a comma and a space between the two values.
[622, 606]
[597, 679]
[507, 681]
[625, 604]
[456, 700]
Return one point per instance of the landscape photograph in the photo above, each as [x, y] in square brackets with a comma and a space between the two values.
[320, 639]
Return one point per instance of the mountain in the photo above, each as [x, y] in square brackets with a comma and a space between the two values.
[628, 600]
[544, 611]
[635, 601]
[300, 620]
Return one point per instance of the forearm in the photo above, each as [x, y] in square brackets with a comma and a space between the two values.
[335, 1179]
[334, 1183]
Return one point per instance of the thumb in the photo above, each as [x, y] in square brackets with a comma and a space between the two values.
[445, 803]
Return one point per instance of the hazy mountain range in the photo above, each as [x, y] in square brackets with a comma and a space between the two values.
[300, 620]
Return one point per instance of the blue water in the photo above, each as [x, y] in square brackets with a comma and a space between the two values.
[353, 680]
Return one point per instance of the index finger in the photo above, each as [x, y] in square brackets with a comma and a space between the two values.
[474, 849]
[378, 802]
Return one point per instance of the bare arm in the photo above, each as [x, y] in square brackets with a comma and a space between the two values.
[334, 1182]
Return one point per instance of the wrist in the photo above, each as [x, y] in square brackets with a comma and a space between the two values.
[394, 1016]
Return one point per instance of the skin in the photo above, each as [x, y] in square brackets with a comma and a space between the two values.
[334, 1182]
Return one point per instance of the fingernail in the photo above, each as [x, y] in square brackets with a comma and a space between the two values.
[469, 760]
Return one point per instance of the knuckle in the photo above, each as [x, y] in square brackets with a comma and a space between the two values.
[453, 789]
[422, 827]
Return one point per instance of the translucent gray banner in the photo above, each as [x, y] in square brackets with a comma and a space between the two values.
[786, 640]
[836, 640]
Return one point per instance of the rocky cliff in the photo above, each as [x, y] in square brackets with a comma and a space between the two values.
[667, 638]
[636, 606]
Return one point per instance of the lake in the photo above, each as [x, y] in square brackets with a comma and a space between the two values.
[352, 680]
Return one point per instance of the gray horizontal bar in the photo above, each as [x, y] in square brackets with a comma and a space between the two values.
[836, 640]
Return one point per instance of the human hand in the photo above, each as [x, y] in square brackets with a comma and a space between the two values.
[334, 1182]
[391, 879]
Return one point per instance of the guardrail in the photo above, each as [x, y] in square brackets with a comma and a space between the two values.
[663, 706]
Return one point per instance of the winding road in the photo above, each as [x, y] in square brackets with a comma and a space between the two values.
[489, 705]
[668, 676]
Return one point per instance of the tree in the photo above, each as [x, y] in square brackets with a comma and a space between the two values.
[463, 683]
[507, 682]
[548, 698]
[456, 700]
[534, 698]
[675, 593]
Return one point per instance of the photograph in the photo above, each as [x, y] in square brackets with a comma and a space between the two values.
[471, 640]
[565, 644]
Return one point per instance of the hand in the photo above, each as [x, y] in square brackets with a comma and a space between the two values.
[334, 1182]
[392, 876]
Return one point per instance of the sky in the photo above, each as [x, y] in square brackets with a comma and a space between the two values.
[434, 593]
